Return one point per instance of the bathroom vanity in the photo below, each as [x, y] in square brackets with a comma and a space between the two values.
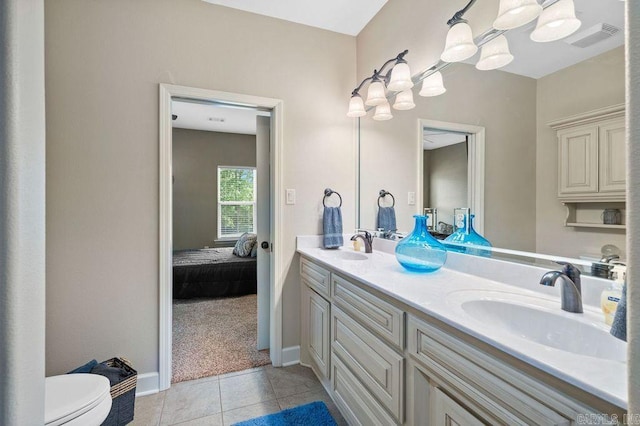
[452, 347]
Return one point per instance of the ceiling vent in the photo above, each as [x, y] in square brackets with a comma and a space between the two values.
[592, 35]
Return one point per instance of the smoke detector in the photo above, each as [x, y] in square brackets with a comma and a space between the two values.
[592, 35]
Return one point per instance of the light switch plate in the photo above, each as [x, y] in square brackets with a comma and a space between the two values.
[411, 197]
[291, 196]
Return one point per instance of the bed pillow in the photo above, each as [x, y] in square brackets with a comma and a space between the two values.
[254, 250]
[244, 245]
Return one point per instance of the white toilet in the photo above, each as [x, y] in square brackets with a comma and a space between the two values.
[76, 399]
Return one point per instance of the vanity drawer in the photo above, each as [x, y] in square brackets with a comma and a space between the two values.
[357, 405]
[381, 317]
[315, 276]
[503, 394]
[370, 359]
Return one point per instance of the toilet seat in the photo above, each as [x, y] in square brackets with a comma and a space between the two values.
[76, 399]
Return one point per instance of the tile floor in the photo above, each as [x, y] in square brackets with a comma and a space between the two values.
[234, 397]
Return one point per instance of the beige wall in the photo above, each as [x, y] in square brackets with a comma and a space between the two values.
[448, 169]
[589, 85]
[503, 103]
[104, 61]
[196, 157]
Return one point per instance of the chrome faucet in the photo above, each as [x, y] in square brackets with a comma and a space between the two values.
[571, 294]
[367, 239]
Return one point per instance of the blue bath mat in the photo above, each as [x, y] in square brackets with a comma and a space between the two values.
[314, 414]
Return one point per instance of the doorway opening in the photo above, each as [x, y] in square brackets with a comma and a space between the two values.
[450, 172]
[220, 205]
[219, 173]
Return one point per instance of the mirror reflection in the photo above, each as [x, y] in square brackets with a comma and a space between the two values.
[553, 160]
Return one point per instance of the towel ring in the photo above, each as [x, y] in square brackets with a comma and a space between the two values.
[383, 194]
[327, 193]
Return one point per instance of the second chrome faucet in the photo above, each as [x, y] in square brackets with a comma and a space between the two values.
[571, 292]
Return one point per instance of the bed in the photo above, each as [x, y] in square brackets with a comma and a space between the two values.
[214, 272]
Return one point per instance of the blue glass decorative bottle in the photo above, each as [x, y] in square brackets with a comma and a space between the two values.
[465, 235]
[419, 251]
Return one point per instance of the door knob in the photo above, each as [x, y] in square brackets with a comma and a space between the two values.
[264, 245]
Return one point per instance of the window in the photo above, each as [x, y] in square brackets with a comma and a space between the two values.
[236, 201]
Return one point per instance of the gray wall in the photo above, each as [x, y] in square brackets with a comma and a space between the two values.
[196, 157]
[104, 62]
[22, 212]
[447, 168]
[592, 84]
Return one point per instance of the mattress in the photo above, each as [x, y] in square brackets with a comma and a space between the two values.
[214, 272]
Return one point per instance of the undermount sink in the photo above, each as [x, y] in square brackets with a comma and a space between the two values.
[539, 320]
[346, 255]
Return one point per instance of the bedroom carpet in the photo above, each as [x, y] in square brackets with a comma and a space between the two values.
[215, 336]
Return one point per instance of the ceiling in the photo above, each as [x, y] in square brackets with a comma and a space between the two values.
[346, 17]
[215, 118]
[434, 139]
[536, 60]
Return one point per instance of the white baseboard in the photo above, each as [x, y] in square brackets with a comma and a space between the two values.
[290, 356]
[148, 383]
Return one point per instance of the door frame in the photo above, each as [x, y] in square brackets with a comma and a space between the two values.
[167, 92]
[475, 166]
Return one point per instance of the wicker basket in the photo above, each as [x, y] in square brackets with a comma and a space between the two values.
[123, 391]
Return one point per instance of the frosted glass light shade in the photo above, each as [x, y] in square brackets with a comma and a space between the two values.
[404, 100]
[432, 85]
[356, 107]
[383, 112]
[515, 13]
[556, 22]
[400, 78]
[375, 94]
[495, 54]
[459, 45]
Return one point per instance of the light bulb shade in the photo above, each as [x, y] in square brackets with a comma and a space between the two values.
[495, 54]
[515, 13]
[459, 45]
[375, 94]
[400, 78]
[356, 107]
[404, 100]
[432, 85]
[383, 112]
[556, 21]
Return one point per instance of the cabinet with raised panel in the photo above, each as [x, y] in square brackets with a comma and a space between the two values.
[592, 156]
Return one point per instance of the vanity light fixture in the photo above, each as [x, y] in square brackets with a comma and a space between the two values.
[395, 79]
[556, 22]
[515, 13]
[404, 100]
[495, 54]
[383, 112]
[459, 44]
[433, 85]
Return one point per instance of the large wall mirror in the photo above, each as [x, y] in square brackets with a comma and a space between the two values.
[523, 110]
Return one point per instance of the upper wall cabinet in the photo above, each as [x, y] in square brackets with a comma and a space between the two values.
[592, 159]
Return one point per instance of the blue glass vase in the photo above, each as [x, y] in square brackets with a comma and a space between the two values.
[467, 236]
[419, 251]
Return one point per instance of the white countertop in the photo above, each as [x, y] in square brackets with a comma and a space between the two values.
[437, 295]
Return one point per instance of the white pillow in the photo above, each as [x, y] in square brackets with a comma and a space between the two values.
[245, 244]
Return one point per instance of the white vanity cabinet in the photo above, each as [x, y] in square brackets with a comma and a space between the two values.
[386, 363]
[315, 292]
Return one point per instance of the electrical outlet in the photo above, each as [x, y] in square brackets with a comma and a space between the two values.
[291, 196]
[411, 197]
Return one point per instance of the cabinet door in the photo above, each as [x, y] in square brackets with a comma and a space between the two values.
[447, 412]
[319, 323]
[612, 157]
[578, 165]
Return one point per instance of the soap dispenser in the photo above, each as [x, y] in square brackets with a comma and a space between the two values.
[611, 296]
